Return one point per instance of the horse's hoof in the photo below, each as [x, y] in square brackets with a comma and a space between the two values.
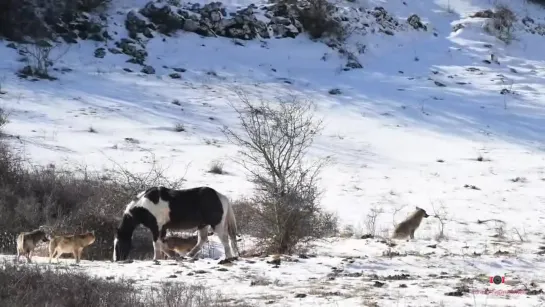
[226, 261]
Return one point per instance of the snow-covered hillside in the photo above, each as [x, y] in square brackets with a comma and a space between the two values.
[431, 120]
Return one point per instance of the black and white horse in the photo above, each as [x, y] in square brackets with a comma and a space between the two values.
[160, 208]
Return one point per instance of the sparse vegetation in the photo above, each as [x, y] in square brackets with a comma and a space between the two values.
[68, 201]
[317, 18]
[38, 59]
[36, 286]
[502, 23]
[371, 220]
[216, 167]
[442, 216]
[274, 141]
[92, 130]
[179, 127]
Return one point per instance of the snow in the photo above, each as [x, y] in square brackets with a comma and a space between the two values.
[386, 133]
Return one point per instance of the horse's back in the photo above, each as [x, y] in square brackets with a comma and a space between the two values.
[193, 207]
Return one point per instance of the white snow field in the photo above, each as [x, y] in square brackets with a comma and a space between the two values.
[406, 130]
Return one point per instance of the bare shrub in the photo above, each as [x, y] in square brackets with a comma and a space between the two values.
[442, 216]
[180, 294]
[247, 216]
[275, 139]
[38, 57]
[371, 220]
[44, 286]
[317, 18]
[502, 23]
[179, 127]
[499, 229]
[216, 167]
[69, 201]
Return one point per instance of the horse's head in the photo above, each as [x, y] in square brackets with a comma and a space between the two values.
[122, 245]
[123, 238]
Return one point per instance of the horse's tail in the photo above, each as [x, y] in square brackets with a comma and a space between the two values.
[231, 223]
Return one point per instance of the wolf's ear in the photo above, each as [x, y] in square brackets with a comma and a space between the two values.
[417, 208]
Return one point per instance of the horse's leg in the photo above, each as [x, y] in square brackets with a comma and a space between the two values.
[157, 243]
[202, 238]
[223, 234]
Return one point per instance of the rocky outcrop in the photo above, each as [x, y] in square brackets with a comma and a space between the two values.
[415, 22]
[212, 19]
[37, 22]
[131, 48]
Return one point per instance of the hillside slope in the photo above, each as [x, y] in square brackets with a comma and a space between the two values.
[405, 130]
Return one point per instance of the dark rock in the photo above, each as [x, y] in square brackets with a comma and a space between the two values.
[457, 27]
[100, 53]
[483, 14]
[334, 91]
[415, 22]
[148, 70]
[175, 75]
[164, 18]
[114, 50]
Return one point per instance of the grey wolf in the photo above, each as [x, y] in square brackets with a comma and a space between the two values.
[70, 244]
[27, 241]
[178, 245]
[410, 224]
[160, 208]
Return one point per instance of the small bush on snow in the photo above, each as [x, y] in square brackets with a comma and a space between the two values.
[502, 24]
[317, 18]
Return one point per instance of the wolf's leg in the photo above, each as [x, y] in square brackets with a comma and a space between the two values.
[202, 238]
[76, 256]
[58, 254]
[80, 251]
[412, 233]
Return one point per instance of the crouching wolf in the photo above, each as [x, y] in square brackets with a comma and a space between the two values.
[178, 244]
[410, 224]
[27, 241]
[70, 244]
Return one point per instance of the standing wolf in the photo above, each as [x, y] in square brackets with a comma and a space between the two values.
[178, 245]
[27, 241]
[70, 244]
[410, 224]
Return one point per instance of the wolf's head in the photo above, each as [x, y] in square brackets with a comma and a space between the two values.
[421, 212]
